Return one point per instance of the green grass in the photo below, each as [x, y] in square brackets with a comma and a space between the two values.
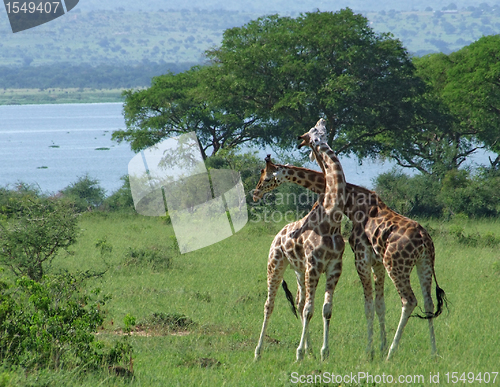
[222, 288]
[59, 95]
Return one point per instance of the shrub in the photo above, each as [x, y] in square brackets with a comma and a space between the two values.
[410, 196]
[121, 200]
[167, 322]
[86, 193]
[458, 192]
[32, 231]
[52, 323]
[154, 257]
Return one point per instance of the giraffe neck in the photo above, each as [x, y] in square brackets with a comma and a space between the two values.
[307, 178]
[357, 199]
[335, 183]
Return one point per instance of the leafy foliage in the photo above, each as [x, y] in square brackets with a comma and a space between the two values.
[32, 231]
[52, 323]
[458, 192]
[464, 84]
[86, 193]
[293, 71]
[121, 199]
[177, 104]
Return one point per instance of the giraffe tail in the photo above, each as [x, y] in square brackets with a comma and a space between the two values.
[442, 301]
[289, 297]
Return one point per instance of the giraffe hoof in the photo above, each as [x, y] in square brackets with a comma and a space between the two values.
[300, 354]
[325, 353]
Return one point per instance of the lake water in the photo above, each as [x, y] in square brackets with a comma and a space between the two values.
[53, 145]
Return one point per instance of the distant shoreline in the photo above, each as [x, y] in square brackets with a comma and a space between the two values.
[59, 96]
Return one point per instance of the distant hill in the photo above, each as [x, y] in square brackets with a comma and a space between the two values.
[277, 6]
[106, 43]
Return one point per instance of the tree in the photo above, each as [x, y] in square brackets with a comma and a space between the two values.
[436, 146]
[181, 103]
[289, 72]
[272, 79]
[32, 231]
[467, 83]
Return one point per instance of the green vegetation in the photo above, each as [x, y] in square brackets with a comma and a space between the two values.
[59, 95]
[51, 324]
[459, 192]
[289, 82]
[197, 321]
[94, 54]
[32, 230]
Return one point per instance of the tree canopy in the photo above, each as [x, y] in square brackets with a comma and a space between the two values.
[274, 77]
[467, 85]
[322, 64]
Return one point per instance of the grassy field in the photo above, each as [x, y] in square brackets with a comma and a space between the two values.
[222, 288]
[57, 95]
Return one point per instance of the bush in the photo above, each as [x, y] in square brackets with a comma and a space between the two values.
[458, 192]
[153, 257]
[32, 231]
[121, 200]
[410, 196]
[86, 193]
[52, 323]
[169, 322]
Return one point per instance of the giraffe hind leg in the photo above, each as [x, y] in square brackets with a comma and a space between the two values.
[333, 272]
[409, 302]
[311, 283]
[363, 270]
[379, 277]
[425, 274]
[301, 300]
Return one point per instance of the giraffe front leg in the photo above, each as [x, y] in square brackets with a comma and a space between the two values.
[333, 272]
[275, 269]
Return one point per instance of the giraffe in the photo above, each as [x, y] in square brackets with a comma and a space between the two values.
[311, 246]
[381, 240]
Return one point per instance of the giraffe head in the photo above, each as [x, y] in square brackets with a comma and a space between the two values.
[270, 178]
[314, 136]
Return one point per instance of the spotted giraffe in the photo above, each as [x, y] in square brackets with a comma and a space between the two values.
[311, 246]
[381, 239]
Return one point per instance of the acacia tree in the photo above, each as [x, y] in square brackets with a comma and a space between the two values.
[274, 77]
[289, 72]
[177, 104]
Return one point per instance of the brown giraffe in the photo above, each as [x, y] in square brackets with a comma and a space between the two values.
[381, 238]
[311, 246]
